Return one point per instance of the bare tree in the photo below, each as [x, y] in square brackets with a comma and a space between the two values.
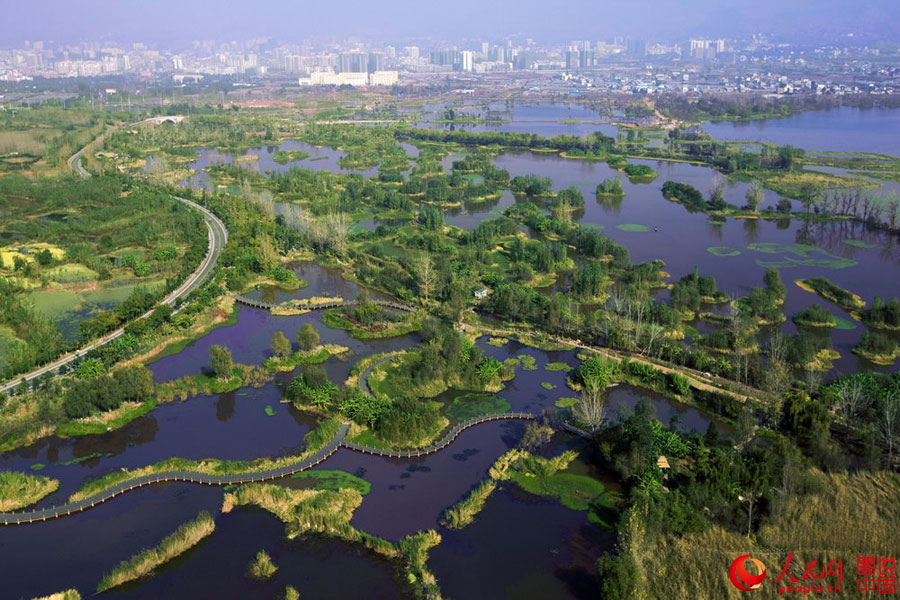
[778, 346]
[852, 396]
[778, 377]
[590, 408]
[888, 426]
[425, 274]
[893, 211]
[813, 378]
[295, 218]
[156, 167]
[653, 333]
[264, 200]
[331, 232]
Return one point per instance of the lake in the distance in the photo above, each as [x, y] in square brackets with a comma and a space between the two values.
[843, 129]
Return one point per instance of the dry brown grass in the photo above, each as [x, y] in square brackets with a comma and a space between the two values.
[66, 595]
[852, 515]
[31, 142]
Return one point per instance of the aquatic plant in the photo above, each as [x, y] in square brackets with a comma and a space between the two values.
[634, 227]
[262, 567]
[142, 564]
[463, 512]
[723, 251]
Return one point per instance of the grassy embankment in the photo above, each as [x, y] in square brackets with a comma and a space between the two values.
[283, 157]
[326, 479]
[203, 383]
[338, 318]
[18, 490]
[832, 292]
[142, 564]
[107, 421]
[304, 357]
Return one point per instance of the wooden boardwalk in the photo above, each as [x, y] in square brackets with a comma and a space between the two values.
[338, 441]
[320, 306]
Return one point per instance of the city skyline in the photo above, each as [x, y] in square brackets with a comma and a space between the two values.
[171, 22]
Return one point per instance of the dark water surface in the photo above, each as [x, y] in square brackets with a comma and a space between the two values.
[318, 568]
[841, 129]
[521, 546]
[76, 551]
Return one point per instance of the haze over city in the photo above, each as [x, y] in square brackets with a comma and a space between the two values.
[172, 21]
[473, 300]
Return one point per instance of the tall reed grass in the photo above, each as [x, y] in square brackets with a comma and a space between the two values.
[142, 564]
[18, 490]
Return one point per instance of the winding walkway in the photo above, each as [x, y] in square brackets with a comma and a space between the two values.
[339, 440]
[324, 305]
[363, 381]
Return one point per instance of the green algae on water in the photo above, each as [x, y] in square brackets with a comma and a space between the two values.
[723, 251]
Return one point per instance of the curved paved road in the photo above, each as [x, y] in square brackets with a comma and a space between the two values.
[218, 237]
[339, 439]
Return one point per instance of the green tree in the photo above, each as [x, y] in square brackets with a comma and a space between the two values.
[754, 197]
[808, 195]
[45, 257]
[431, 218]
[617, 574]
[308, 337]
[92, 367]
[281, 346]
[221, 362]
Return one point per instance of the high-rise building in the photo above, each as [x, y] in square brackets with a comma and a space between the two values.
[353, 62]
[707, 49]
[636, 47]
[446, 58]
[579, 59]
[412, 51]
[467, 60]
[501, 54]
[376, 62]
[586, 59]
[293, 63]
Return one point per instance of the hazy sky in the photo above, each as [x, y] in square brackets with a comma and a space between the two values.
[169, 21]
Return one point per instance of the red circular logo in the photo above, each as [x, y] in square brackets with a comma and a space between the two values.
[743, 580]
